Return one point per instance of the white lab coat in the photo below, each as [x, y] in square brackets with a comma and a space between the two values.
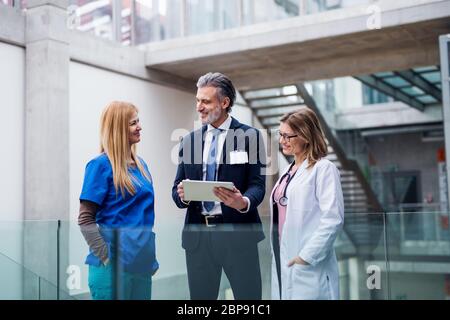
[314, 217]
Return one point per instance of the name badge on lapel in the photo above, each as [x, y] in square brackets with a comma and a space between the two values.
[238, 157]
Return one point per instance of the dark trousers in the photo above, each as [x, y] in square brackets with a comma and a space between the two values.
[214, 253]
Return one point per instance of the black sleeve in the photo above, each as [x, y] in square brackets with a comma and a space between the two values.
[180, 176]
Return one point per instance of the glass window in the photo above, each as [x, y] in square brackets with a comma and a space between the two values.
[314, 6]
[432, 77]
[202, 16]
[323, 94]
[424, 69]
[147, 25]
[426, 99]
[268, 10]
[212, 15]
[247, 12]
[229, 14]
[396, 82]
[7, 2]
[413, 91]
[22, 3]
[171, 18]
[384, 74]
[372, 96]
[94, 17]
[125, 27]
[290, 7]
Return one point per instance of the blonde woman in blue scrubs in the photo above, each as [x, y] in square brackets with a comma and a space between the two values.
[117, 211]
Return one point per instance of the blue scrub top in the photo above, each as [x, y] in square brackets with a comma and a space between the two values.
[126, 223]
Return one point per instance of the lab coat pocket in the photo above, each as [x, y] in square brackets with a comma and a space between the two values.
[305, 282]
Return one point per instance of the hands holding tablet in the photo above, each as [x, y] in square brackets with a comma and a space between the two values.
[231, 198]
[180, 191]
[225, 192]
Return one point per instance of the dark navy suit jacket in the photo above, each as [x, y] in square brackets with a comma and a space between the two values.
[245, 228]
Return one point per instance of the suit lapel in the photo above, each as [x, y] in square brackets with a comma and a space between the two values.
[229, 143]
[197, 152]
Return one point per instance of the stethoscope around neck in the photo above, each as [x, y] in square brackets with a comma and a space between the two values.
[283, 201]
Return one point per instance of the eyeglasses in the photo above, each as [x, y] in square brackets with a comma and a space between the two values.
[285, 136]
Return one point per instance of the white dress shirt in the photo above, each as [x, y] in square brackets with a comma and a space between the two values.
[225, 126]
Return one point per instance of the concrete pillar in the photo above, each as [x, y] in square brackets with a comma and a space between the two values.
[444, 42]
[46, 146]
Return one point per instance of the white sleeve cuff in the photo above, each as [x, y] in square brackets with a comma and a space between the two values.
[248, 206]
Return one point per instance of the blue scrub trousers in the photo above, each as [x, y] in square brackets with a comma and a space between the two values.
[106, 284]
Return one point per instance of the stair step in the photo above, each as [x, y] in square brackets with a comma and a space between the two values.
[346, 173]
[352, 192]
[354, 204]
[359, 198]
[352, 186]
[332, 157]
[358, 209]
[348, 178]
[349, 183]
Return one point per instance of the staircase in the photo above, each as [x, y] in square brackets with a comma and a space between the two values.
[362, 227]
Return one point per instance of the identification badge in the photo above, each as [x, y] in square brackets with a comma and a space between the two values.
[238, 157]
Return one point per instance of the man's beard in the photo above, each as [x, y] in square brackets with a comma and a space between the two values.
[213, 116]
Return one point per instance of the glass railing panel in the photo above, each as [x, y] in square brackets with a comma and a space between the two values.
[316, 6]
[94, 17]
[11, 279]
[398, 255]
[169, 282]
[19, 283]
[40, 253]
[205, 16]
[144, 21]
[32, 253]
[361, 252]
[12, 240]
[418, 255]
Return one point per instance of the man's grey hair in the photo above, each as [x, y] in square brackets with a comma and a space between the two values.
[223, 84]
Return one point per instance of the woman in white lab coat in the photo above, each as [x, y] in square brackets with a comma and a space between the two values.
[307, 211]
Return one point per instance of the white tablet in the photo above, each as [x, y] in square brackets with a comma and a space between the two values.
[198, 190]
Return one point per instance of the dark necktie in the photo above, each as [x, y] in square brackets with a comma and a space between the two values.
[211, 164]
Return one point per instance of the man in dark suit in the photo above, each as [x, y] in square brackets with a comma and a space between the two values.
[222, 235]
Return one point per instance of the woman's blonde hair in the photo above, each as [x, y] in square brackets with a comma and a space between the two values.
[114, 141]
[305, 123]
